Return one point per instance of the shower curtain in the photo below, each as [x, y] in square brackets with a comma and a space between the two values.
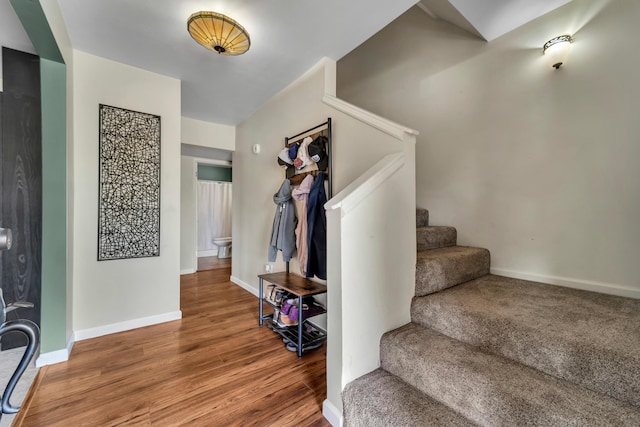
[214, 214]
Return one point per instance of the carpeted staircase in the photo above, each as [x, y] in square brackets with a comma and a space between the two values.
[493, 351]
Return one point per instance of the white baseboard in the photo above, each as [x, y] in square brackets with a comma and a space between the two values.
[570, 282]
[126, 326]
[53, 357]
[210, 252]
[187, 271]
[331, 414]
[245, 285]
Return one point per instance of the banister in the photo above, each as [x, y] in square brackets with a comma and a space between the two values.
[387, 126]
[357, 190]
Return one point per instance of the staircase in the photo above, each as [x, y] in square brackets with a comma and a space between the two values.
[493, 351]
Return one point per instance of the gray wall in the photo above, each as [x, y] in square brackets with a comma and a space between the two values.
[540, 166]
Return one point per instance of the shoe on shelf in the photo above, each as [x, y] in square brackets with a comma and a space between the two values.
[286, 320]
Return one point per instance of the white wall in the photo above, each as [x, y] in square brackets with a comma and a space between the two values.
[256, 178]
[377, 272]
[204, 134]
[208, 134]
[188, 218]
[371, 251]
[356, 147]
[540, 166]
[134, 291]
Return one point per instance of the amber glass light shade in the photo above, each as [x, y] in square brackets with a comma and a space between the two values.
[218, 33]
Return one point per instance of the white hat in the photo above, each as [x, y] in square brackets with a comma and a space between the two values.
[284, 156]
[303, 153]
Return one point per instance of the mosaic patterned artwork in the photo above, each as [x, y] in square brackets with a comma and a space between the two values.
[129, 193]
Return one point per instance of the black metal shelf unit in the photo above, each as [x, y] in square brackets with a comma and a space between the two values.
[305, 334]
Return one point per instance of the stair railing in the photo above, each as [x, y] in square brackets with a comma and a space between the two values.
[371, 256]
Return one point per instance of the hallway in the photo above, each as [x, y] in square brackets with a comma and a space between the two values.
[215, 367]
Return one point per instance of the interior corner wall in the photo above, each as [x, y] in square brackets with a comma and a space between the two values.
[130, 290]
[44, 24]
[257, 177]
[204, 134]
[188, 217]
[540, 166]
[208, 134]
[54, 206]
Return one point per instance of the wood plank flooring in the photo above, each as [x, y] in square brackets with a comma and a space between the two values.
[215, 367]
[212, 263]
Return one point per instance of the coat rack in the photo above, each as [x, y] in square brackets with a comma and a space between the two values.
[313, 131]
[321, 129]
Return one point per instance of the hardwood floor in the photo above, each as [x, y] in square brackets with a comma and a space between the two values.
[213, 262]
[215, 367]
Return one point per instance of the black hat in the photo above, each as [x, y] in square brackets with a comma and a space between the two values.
[290, 169]
[318, 153]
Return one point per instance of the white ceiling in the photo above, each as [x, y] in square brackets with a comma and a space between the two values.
[493, 18]
[287, 38]
[12, 34]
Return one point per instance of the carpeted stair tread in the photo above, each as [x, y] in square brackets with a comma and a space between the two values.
[381, 399]
[434, 237]
[442, 268]
[584, 337]
[422, 217]
[493, 390]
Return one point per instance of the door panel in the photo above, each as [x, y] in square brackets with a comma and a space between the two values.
[21, 185]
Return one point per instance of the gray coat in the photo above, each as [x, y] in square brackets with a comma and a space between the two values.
[283, 236]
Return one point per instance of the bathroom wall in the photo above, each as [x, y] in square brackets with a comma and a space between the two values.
[214, 173]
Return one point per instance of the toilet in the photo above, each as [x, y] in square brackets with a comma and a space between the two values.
[224, 246]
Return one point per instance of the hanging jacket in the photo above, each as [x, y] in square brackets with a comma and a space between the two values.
[317, 230]
[283, 236]
[301, 196]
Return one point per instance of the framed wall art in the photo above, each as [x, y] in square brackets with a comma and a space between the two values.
[129, 184]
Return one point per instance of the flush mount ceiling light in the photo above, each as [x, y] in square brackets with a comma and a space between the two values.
[218, 33]
[557, 50]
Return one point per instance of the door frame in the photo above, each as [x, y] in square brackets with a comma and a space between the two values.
[194, 185]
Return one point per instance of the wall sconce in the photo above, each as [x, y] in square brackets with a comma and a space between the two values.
[557, 50]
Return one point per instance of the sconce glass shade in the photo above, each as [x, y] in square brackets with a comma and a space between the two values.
[218, 33]
[557, 50]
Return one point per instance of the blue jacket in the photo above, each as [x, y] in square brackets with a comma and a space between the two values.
[283, 234]
[317, 230]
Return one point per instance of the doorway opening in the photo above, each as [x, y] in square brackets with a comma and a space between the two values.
[214, 196]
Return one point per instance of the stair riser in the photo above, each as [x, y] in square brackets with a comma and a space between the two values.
[381, 399]
[491, 390]
[422, 218]
[439, 273]
[499, 351]
[435, 237]
[526, 322]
